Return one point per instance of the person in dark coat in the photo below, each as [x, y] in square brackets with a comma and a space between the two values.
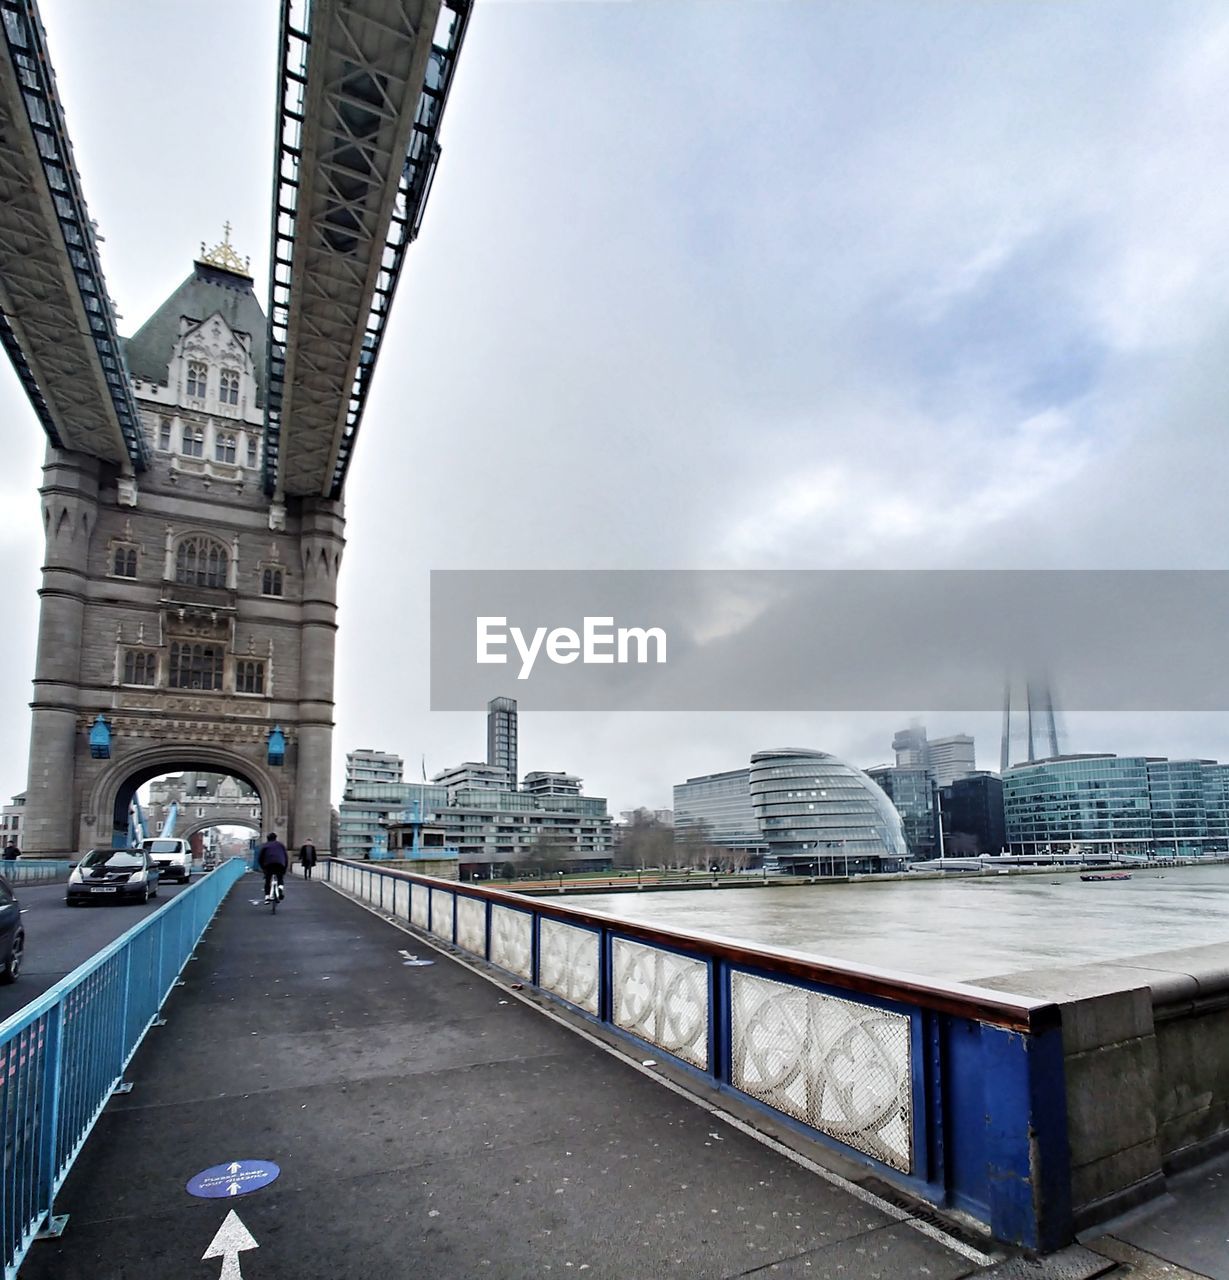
[307, 858]
[273, 860]
[11, 852]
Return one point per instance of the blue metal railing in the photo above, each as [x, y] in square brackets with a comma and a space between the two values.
[955, 1093]
[63, 1054]
[32, 870]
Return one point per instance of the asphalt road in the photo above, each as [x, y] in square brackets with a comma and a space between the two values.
[59, 938]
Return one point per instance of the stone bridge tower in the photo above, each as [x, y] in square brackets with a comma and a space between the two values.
[185, 616]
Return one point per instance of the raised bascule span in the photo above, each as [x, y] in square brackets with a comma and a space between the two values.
[192, 492]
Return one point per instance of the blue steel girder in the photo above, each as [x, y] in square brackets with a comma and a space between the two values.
[362, 89]
[57, 321]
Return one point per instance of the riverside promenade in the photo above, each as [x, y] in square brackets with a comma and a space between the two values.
[427, 1122]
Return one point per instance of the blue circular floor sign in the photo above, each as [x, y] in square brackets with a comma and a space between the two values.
[237, 1178]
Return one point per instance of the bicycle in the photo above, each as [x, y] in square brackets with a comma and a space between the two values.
[277, 893]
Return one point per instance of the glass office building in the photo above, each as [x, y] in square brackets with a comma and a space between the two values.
[1179, 809]
[1216, 806]
[912, 791]
[1079, 804]
[821, 816]
[718, 805]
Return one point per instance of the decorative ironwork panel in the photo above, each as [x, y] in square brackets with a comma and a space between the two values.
[441, 913]
[568, 962]
[843, 1068]
[663, 998]
[471, 925]
[418, 905]
[512, 940]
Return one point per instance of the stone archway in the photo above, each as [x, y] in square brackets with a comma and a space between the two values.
[108, 798]
[220, 819]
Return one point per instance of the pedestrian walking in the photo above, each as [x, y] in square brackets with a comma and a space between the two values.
[11, 852]
[307, 858]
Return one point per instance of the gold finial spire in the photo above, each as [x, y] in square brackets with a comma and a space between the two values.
[223, 255]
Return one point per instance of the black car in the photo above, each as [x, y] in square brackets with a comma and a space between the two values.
[127, 875]
[12, 935]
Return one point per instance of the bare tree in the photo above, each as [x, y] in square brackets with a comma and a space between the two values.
[645, 842]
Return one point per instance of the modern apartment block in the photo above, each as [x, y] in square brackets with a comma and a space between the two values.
[475, 775]
[489, 827]
[369, 806]
[365, 766]
[551, 784]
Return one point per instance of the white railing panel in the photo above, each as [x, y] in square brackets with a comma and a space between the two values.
[569, 962]
[841, 1067]
[441, 913]
[418, 905]
[661, 997]
[471, 925]
[512, 940]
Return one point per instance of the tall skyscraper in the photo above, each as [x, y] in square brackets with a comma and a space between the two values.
[910, 747]
[945, 759]
[501, 736]
[951, 758]
[1040, 728]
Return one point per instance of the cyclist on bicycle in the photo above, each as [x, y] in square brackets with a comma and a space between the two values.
[273, 860]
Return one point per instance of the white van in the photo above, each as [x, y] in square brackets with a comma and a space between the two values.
[172, 856]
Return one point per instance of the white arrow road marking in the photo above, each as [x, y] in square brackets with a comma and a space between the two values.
[234, 1188]
[232, 1239]
[233, 1167]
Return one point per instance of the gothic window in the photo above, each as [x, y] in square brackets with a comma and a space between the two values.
[201, 562]
[196, 666]
[251, 451]
[228, 387]
[194, 442]
[164, 434]
[271, 582]
[224, 447]
[249, 677]
[124, 561]
[197, 374]
[140, 667]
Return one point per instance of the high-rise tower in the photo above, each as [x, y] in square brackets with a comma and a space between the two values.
[1040, 728]
[501, 736]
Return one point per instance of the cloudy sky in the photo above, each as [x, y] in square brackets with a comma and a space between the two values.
[842, 283]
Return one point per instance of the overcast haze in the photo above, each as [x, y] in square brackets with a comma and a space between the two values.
[812, 285]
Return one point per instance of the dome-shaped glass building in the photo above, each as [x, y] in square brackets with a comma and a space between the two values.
[821, 816]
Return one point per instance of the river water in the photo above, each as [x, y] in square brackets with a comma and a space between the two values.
[955, 929]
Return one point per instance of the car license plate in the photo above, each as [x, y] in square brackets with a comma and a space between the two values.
[102, 888]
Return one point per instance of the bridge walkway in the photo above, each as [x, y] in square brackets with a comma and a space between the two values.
[428, 1123]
